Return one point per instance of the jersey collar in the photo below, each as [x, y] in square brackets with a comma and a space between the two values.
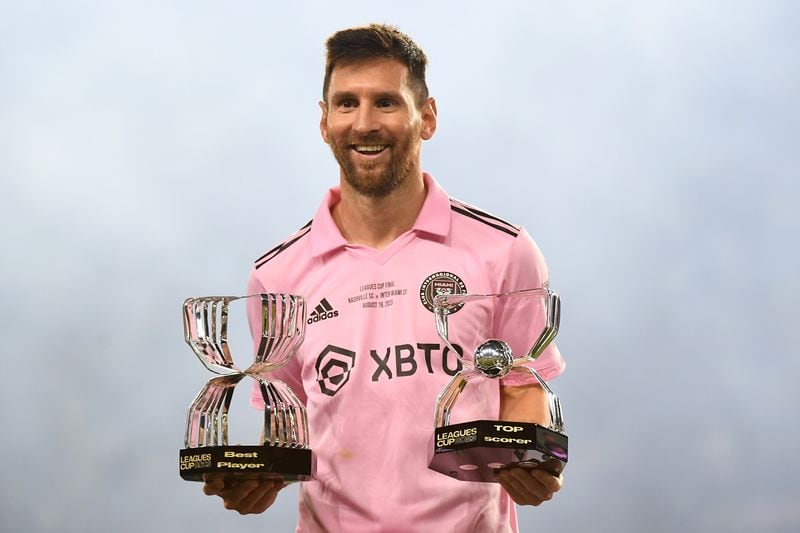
[433, 218]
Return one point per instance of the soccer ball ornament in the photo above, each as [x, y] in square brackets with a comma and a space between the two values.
[493, 358]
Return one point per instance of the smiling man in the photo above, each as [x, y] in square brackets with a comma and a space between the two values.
[382, 243]
[374, 125]
[375, 116]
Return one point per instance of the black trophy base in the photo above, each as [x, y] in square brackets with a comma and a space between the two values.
[290, 464]
[472, 451]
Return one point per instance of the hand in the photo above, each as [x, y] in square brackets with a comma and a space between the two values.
[245, 495]
[529, 486]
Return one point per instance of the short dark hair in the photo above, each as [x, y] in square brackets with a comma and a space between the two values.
[376, 41]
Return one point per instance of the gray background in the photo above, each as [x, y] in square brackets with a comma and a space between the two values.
[151, 150]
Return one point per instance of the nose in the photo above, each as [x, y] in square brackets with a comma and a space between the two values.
[366, 120]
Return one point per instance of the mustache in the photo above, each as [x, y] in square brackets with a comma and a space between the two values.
[368, 139]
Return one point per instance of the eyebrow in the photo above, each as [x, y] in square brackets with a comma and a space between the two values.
[394, 95]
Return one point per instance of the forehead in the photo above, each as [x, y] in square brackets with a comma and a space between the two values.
[371, 75]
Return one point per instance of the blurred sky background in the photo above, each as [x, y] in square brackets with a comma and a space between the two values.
[151, 150]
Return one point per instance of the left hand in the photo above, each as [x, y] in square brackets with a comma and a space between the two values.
[529, 486]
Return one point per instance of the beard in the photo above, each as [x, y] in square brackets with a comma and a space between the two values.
[376, 179]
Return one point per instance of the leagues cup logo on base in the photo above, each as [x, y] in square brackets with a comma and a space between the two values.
[526, 321]
[282, 450]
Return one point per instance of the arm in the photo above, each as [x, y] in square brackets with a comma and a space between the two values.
[524, 403]
[527, 403]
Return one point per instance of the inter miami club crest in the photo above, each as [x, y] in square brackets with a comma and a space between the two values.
[441, 283]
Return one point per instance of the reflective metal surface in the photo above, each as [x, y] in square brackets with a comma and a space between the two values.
[282, 330]
[490, 356]
[486, 331]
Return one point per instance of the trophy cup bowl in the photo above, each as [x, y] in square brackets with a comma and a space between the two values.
[475, 449]
[282, 451]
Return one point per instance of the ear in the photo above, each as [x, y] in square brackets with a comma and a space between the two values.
[428, 119]
[323, 122]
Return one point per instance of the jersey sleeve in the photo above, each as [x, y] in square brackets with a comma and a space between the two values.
[525, 268]
[291, 372]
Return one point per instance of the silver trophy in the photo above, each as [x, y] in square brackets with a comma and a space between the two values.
[283, 450]
[528, 321]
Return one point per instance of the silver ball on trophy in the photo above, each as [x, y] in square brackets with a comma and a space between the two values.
[493, 358]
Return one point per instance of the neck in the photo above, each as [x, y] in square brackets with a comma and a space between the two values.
[376, 222]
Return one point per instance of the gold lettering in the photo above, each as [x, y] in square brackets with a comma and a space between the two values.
[239, 466]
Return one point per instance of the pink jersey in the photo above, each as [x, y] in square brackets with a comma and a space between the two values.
[372, 364]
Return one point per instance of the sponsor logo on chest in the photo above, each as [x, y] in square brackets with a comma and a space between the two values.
[334, 364]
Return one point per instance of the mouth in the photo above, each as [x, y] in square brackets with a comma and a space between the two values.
[369, 150]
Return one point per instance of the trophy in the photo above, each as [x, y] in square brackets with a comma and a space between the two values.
[528, 321]
[283, 450]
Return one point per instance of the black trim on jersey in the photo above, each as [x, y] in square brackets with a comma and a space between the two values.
[272, 254]
[464, 211]
[477, 211]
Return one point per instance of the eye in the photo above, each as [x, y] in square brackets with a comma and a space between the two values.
[385, 103]
[347, 103]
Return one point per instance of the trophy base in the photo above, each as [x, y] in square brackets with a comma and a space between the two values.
[289, 464]
[473, 451]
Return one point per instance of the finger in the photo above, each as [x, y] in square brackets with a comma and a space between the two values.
[233, 494]
[518, 488]
[554, 466]
[213, 484]
[267, 499]
[254, 501]
[527, 488]
[551, 482]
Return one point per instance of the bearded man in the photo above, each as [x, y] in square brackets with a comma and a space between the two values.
[367, 260]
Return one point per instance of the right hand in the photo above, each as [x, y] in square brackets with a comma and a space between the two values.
[245, 495]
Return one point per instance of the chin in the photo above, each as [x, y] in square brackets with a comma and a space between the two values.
[374, 187]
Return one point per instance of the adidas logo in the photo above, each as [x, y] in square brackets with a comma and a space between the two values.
[323, 311]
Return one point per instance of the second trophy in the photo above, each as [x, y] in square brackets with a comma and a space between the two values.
[505, 333]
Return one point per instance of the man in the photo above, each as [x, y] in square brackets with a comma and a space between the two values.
[368, 263]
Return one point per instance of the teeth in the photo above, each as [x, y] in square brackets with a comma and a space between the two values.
[371, 148]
